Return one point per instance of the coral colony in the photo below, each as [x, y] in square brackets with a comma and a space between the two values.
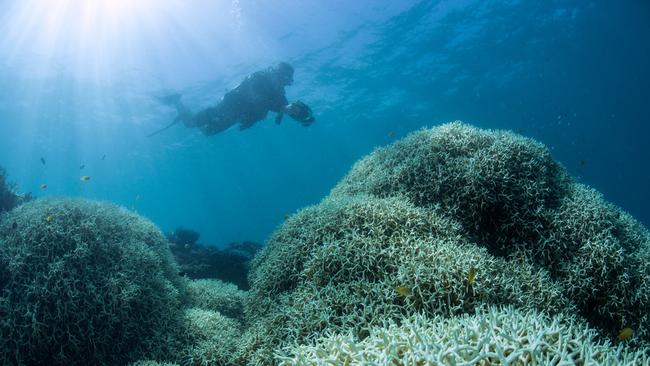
[452, 246]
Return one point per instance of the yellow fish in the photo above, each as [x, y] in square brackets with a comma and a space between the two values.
[43, 186]
[84, 178]
[471, 276]
[403, 291]
[49, 218]
[625, 334]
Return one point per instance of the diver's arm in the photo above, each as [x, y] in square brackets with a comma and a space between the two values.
[300, 112]
[281, 103]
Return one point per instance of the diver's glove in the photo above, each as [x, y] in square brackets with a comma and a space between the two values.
[300, 112]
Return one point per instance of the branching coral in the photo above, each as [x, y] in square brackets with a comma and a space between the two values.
[151, 363]
[84, 283]
[205, 336]
[210, 338]
[489, 337]
[601, 256]
[216, 295]
[511, 197]
[496, 184]
[336, 267]
[440, 223]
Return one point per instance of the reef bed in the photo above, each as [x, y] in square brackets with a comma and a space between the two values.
[453, 245]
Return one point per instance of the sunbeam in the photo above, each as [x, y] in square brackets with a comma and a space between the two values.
[97, 39]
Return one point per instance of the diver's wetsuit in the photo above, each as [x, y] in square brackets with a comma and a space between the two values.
[248, 103]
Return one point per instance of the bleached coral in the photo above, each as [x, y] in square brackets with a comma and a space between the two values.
[216, 295]
[210, 338]
[601, 255]
[84, 282]
[151, 363]
[204, 338]
[495, 183]
[400, 234]
[336, 266]
[489, 337]
[512, 198]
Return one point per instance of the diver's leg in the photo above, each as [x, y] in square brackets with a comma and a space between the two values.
[185, 115]
[216, 125]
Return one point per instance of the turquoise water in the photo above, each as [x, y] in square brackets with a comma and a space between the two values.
[79, 82]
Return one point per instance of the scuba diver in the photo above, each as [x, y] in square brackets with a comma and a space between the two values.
[249, 102]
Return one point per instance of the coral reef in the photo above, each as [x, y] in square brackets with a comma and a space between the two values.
[201, 261]
[205, 335]
[209, 328]
[337, 266]
[495, 183]
[151, 363]
[84, 283]
[210, 338]
[489, 337]
[514, 200]
[211, 294]
[8, 196]
[441, 223]
[454, 245]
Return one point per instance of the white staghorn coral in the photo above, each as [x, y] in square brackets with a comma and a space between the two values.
[439, 223]
[501, 336]
[216, 295]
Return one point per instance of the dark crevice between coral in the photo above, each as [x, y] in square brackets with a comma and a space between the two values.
[199, 261]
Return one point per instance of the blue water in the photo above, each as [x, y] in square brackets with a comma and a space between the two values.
[78, 86]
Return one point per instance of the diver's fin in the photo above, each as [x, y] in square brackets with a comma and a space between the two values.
[175, 121]
[172, 99]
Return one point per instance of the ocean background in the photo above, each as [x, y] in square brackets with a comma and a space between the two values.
[79, 82]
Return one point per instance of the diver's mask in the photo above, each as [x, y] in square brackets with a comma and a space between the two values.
[301, 113]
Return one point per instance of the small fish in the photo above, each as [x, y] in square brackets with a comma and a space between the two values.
[14, 225]
[49, 218]
[84, 178]
[43, 186]
[390, 134]
[583, 162]
[471, 276]
[104, 157]
[43, 161]
[82, 166]
[625, 334]
[286, 217]
[403, 291]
